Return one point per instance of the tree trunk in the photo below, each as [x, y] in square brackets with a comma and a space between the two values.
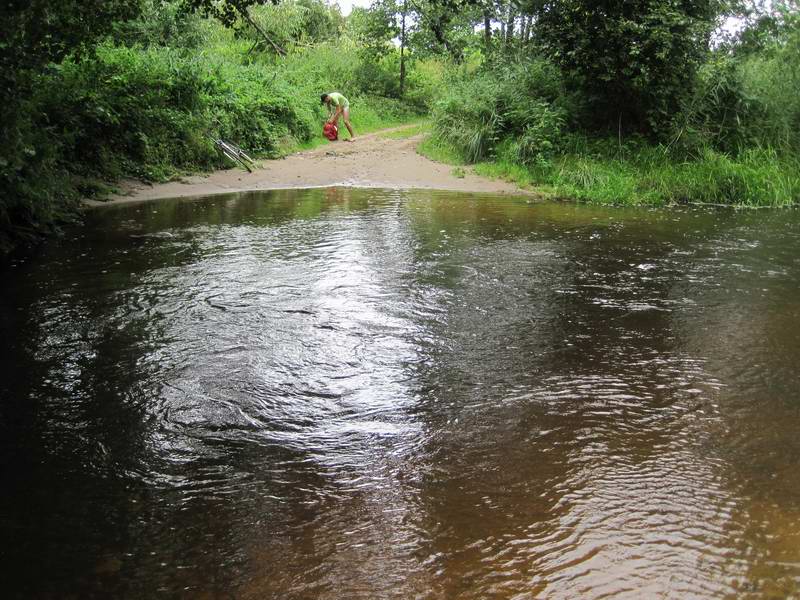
[487, 31]
[510, 27]
[438, 31]
[403, 50]
[246, 16]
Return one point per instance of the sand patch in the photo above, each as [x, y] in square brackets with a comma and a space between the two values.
[371, 161]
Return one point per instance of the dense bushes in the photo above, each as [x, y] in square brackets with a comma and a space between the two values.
[741, 103]
[634, 60]
[140, 112]
[524, 101]
[125, 112]
[735, 140]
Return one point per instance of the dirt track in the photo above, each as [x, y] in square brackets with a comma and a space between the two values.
[373, 160]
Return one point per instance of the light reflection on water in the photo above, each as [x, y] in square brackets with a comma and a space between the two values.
[343, 394]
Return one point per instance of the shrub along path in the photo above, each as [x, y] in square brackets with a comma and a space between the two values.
[383, 159]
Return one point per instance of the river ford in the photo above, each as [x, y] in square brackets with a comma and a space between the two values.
[341, 393]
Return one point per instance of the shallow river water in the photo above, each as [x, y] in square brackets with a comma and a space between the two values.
[390, 394]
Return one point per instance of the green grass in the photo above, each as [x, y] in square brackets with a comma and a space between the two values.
[439, 151]
[757, 178]
[372, 123]
[413, 129]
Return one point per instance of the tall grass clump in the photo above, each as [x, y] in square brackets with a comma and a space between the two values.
[755, 177]
[773, 79]
[523, 100]
[651, 176]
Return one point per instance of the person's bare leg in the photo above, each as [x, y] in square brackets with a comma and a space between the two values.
[346, 119]
[350, 129]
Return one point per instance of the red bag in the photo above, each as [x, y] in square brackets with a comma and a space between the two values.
[331, 132]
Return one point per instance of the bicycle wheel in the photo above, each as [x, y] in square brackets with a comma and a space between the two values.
[244, 155]
[241, 153]
[228, 153]
[232, 154]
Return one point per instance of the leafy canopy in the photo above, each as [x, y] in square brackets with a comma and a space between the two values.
[635, 60]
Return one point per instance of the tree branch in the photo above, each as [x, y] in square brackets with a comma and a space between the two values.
[246, 16]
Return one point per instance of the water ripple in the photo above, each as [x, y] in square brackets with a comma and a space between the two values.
[342, 393]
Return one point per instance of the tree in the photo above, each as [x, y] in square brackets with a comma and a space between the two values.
[374, 28]
[37, 32]
[403, 15]
[443, 25]
[295, 23]
[766, 28]
[634, 60]
[33, 35]
[232, 13]
[227, 12]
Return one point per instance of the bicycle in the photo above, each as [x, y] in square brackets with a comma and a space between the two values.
[234, 153]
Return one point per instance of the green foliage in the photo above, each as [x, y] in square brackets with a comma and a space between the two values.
[145, 109]
[766, 27]
[146, 113]
[468, 118]
[443, 27]
[649, 175]
[438, 150]
[729, 120]
[36, 189]
[373, 29]
[161, 24]
[716, 114]
[523, 100]
[773, 79]
[540, 137]
[424, 81]
[321, 21]
[227, 12]
[634, 61]
[745, 100]
[34, 33]
[123, 112]
[754, 178]
[294, 23]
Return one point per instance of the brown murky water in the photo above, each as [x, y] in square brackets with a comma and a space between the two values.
[376, 394]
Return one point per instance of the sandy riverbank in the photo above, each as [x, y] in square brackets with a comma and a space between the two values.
[373, 160]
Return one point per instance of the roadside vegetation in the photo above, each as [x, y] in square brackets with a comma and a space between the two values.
[644, 102]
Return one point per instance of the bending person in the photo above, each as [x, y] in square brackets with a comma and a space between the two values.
[338, 106]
